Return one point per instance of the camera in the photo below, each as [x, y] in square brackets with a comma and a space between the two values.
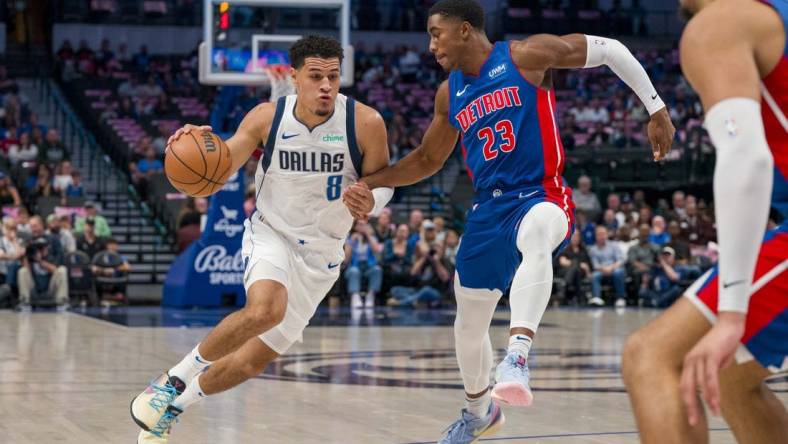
[34, 248]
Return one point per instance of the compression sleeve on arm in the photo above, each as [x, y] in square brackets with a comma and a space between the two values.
[611, 52]
[743, 180]
[382, 197]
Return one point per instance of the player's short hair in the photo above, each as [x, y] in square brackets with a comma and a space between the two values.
[315, 46]
[466, 10]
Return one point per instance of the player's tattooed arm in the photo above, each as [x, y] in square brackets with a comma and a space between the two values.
[428, 158]
[535, 55]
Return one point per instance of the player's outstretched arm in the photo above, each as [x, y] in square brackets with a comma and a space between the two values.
[717, 56]
[436, 146]
[544, 51]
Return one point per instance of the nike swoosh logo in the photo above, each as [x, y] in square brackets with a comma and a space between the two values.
[654, 97]
[332, 266]
[197, 358]
[523, 196]
[286, 136]
[731, 284]
[459, 93]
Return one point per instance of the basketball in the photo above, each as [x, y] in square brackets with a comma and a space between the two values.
[198, 163]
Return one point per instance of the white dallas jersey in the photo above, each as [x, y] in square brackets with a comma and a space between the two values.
[302, 173]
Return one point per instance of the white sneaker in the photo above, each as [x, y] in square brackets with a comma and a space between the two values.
[596, 301]
[369, 300]
[355, 301]
[621, 303]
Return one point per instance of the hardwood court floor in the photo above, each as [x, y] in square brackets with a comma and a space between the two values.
[367, 377]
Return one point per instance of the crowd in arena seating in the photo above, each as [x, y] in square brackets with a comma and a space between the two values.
[46, 222]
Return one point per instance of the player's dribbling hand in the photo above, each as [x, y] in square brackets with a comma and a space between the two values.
[359, 200]
[660, 133]
[703, 363]
[185, 129]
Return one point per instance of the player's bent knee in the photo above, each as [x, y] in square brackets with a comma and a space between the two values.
[635, 356]
[266, 304]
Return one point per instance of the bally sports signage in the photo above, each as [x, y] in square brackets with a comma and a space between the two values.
[211, 270]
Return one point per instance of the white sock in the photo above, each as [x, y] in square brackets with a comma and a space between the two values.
[190, 366]
[520, 343]
[192, 394]
[478, 407]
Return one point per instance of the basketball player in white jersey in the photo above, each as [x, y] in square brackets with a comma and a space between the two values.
[316, 143]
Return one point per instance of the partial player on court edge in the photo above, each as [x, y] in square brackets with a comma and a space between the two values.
[316, 143]
[730, 331]
[499, 100]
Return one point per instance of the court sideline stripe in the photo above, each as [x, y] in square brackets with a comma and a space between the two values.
[564, 435]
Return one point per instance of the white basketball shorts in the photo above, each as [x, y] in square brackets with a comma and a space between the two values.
[308, 273]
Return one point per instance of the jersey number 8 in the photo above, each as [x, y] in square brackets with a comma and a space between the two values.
[334, 187]
[504, 128]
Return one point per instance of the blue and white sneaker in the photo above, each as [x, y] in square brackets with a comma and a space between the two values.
[511, 381]
[160, 432]
[150, 406]
[468, 429]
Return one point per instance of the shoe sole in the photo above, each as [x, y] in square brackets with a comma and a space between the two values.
[512, 393]
[137, 421]
[494, 427]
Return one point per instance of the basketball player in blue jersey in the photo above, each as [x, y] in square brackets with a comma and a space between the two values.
[316, 142]
[499, 102]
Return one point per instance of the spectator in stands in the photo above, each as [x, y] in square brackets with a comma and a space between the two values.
[36, 137]
[100, 223]
[75, 188]
[13, 111]
[397, 258]
[585, 227]
[129, 88]
[162, 107]
[52, 150]
[88, 242]
[110, 263]
[569, 129]
[610, 222]
[665, 285]
[189, 226]
[127, 109]
[40, 185]
[414, 223]
[683, 254]
[659, 236]
[42, 268]
[639, 199]
[150, 89]
[55, 229]
[384, 229]
[22, 152]
[123, 53]
[9, 196]
[32, 122]
[431, 273]
[139, 152]
[66, 51]
[9, 139]
[360, 251]
[160, 144]
[141, 59]
[440, 228]
[23, 224]
[105, 54]
[63, 178]
[572, 268]
[641, 257]
[645, 215]
[607, 262]
[11, 251]
[697, 227]
[585, 199]
[142, 171]
[679, 212]
[600, 137]
[624, 239]
[450, 246]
